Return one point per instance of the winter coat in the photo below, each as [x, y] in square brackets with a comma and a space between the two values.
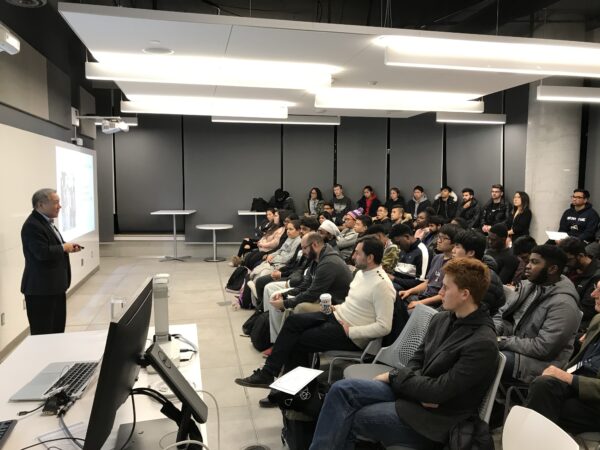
[446, 209]
[493, 213]
[472, 214]
[413, 207]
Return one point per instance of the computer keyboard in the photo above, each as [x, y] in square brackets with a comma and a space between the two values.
[6, 427]
[75, 378]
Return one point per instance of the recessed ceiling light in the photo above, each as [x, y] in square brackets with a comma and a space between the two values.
[158, 51]
[475, 119]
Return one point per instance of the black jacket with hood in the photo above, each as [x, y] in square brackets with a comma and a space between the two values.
[580, 224]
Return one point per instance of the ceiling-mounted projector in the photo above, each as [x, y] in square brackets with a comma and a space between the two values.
[114, 126]
[9, 43]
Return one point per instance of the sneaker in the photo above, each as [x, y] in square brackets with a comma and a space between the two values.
[266, 403]
[260, 378]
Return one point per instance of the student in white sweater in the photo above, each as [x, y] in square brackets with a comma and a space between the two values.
[366, 314]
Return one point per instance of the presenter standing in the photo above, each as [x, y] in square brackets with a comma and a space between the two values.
[47, 273]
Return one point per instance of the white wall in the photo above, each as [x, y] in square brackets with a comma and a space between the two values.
[28, 163]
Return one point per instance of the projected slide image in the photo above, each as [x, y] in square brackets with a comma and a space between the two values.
[75, 185]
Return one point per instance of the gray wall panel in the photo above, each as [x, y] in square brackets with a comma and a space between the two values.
[515, 138]
[104, 162]
[416, 154]
[59, 96]
[149, 171]
[473, 158]
[87, 106]
[307, 161]
[226, 165]
[361, 155]
[592, 179]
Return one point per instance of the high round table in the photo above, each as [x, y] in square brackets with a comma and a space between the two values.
[214, 227]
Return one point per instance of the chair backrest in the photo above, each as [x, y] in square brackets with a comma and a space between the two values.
[485, 410]
[404, 347]
[526, 429]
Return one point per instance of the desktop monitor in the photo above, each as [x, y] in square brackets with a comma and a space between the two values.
[125, 343]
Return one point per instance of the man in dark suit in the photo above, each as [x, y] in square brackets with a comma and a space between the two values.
[47, 273]
[443, 384]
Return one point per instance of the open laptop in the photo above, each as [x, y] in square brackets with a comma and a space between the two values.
[72, 377]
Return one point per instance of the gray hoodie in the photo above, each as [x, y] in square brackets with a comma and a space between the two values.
[546, 331]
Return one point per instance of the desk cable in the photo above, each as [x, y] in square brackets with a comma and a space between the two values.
[53, 440]
[65, 428]
[131, 394]
[187, 441]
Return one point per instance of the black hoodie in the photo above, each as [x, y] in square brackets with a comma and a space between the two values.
[580, 224]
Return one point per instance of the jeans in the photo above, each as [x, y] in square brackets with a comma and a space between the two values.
[363, 409]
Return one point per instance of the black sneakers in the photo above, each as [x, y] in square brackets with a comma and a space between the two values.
[260, 378]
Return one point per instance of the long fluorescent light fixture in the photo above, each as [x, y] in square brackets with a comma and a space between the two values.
[396, 100]
[476, 119]
[493, 54]
[209, 71]
[573, 94]
[206, 106]
[291, 120]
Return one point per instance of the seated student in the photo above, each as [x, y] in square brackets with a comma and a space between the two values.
[348, 237]
[328, 208]
[461, 223]
[281, 200]
[314, 203]
[341, 204]
[362, 224]
[427, 292]
[288, 276]
[496, 210]
[382, 219]
[390, 250]
[283, 254]
[430, 239]
[414, 258]
[418, 202]
[497, 249]
[324, 216]
[580, 220]
[469, 210]
[571, 398]
[584, 272]
[445, 204]
[269, 242]
[471, 244]
[521, 248]
[249, 244]
[329, 232]
[327, 273]
[369, 202]
[537, 325]
[442, 385]
[365, 314]
[398, 216]
[421, 224]
[521, 216]
[394, 199]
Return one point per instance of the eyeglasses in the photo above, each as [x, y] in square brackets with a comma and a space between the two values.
[579, 197]
[443, 238]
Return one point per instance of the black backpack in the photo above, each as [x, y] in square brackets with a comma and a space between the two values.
[259, 204]
[257, 327]
[236, 279]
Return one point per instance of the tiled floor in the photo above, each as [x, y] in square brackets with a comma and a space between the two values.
[196, 295]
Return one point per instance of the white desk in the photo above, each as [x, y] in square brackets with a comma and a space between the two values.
[36, 352]
[247, 212]
[214, 227]
[174, 213]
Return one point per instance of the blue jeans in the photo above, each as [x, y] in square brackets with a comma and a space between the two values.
[365, 409]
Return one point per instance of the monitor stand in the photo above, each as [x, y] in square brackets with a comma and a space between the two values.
[150, 435]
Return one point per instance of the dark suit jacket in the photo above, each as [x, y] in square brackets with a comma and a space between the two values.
[454, 367]
[47, 268]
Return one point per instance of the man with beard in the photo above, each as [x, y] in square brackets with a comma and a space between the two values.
[571, 397]
[496, 210]
[537, 325]
[469, 208]
[365, 314]
[327, 273]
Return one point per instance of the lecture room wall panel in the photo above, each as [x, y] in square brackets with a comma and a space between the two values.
[307, 161]
[361, 155]
[148, 174]
[416, 154]
[226, 165]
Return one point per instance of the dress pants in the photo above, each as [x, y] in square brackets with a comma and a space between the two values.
[46, 313]
[559, 402]
[303, 334]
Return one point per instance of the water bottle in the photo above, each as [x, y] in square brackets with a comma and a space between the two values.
[325, 303]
